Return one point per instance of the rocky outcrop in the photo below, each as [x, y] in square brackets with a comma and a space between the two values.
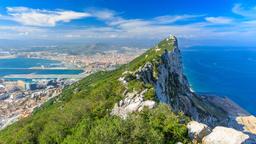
[197, 131]
[223, 135]
[173, 88]
[201, 133]
[132, 102]
[248, 123]
[165, 74]
[239, 119]
[145, 73]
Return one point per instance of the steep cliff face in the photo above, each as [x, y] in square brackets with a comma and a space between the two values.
[166, 75]
[160, 69]
[81, 114]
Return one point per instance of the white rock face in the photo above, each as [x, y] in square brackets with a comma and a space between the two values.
[133, 102]
[223, 135]
[148, 103]
[197, 131]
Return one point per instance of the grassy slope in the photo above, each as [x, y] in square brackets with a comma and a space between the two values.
[81, 114]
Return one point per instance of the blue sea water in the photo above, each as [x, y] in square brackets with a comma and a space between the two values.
[26, 63]
[226, 71]
[22, 65]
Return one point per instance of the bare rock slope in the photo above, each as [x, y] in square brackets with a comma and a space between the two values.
[165, 73]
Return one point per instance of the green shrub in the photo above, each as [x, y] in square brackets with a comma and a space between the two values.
[150, 94]
[81, 114]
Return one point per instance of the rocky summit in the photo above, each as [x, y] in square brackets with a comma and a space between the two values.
[165, 74]
[145, 101]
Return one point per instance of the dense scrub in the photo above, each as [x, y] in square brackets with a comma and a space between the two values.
[81, 114]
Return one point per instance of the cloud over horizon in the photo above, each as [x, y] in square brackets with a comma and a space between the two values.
[35, 23]
[38, 17]
[248, 12]
[219, 20]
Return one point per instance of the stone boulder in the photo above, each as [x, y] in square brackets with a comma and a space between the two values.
[224, 135]
[148, 103]
[133, 102]
[197, 131]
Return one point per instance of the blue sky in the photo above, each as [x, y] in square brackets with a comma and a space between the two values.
[194, 22]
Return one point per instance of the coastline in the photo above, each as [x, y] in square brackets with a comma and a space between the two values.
[47, 95]
[214, 71]
[45, 76]
[239, 118]
[63, 64]
[62, 70]
[224, 102]
[8, 57]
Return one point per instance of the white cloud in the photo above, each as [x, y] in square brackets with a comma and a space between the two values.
[174, 18]
[17, 9]
[111, 18]
[250, 22]
[246, 12]
[103, 14]
[44, 18]
[21, 29]
[23, 33]
[117, 27]
[72, 36]
[219, 20]
[18, 32]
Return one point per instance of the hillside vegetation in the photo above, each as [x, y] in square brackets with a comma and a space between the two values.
[81, 114]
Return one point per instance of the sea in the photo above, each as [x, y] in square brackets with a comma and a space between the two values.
[14, 66]
[224, 71]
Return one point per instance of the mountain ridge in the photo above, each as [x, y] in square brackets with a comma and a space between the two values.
[82, 114]
[123, 106]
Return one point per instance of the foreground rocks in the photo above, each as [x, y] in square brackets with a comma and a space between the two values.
[133, 102]
[201, 133]
[197, 131]
[223, 135]
[248, 123]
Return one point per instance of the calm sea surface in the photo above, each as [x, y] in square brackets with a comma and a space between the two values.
[224, 71]
[227, 71]
[22, 65]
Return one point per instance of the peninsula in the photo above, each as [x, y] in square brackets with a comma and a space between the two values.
[145, 101]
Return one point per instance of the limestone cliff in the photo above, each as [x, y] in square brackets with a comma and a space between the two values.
[172, 86]
[163, 70]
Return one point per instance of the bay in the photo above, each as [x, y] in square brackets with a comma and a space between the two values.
[23, 66]
[225, 71]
